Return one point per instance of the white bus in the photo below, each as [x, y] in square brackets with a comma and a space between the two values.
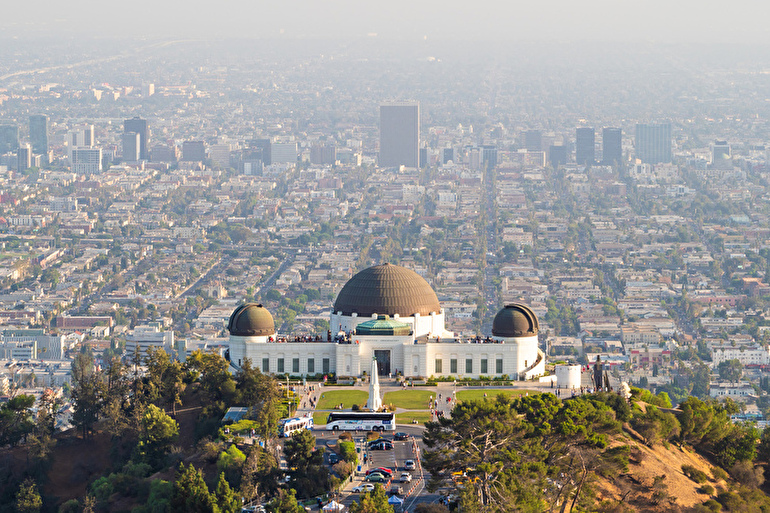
[361, 421]
[290, 426]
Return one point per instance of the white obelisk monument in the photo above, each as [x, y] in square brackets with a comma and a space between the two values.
[374, 403]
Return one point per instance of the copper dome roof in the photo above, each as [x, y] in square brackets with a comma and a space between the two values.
[515, 320]
[251, 320]
[388, 290]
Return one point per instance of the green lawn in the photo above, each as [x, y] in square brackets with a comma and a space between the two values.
[319, 418]
[409, 399]
[347, 397]
[469, 395]
[406, 418]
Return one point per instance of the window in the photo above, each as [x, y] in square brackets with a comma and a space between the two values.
[311, 365]
[265, 364]
[439, 365]
[453, 366]
[280, 366]
[469, 365]
[295, 365]
[325, 365]
[499, 366]
[484, 366]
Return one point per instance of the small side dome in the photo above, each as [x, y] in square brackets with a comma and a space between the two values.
[251, 320]
[515, 320]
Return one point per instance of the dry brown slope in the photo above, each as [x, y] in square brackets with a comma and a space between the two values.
[647, 463]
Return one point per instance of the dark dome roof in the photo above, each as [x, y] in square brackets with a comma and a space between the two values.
[251, 320]
[515, 320]
[389, 290]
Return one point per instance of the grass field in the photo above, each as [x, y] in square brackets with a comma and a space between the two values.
[406, 418]
[409, 399]
[347, 397]
[469, 395]
[319, 418]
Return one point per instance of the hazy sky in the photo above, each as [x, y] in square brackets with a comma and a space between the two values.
[741, 21]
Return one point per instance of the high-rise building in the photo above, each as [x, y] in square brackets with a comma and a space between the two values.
[323, 154]
[220, 155]
[89, 137]
[9, 137]
[38, 133]
[400, 134]
[131, 147]
[139, 126]
[653, 142]
[283, 153]
[449, 154]
[23, 158]
[612, 146]
[533, 140]
[721, 155]
[86, 161]
[164, 153]
[193, 151]
[557, 155]
[489, 156]
[585, 145]
[266, 146]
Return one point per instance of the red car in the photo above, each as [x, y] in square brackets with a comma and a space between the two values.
[381, 470]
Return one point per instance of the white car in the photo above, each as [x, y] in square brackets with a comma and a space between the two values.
[406, 477]
[366, 487]
[409, 465]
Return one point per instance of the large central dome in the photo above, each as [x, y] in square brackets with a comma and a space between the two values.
[387, 290]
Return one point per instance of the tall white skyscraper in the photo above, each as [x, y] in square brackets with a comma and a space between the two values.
[400, 134]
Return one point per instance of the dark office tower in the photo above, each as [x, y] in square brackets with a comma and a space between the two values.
[533, 140]
[489, 156]
[9, 138]
[653, 143]
[38, 133]
[585, 144]
[89, 138]
[557, 156]
[23, 158]
[423, 157]
[138, 126]
[131, 147]
[193, 151]
[266, 146]
[612, 146]
[399, 135]
[449, 154]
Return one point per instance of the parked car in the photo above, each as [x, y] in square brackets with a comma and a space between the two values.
[333, 458]
[400, 436]
[406, 477]
[382, 446]
[366, 487]
[409, 465]
[371, 443]
[396, 490]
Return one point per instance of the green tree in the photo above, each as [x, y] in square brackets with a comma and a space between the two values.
[373, 502]
[191, 495]
[731, 370]
[159, 432]
[308, 473]
[16, 419]
[286, 502]
[227, 500]
[87, 393]
[28, 499]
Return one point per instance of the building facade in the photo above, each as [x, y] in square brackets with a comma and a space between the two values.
[389, 313]
[399, 135]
